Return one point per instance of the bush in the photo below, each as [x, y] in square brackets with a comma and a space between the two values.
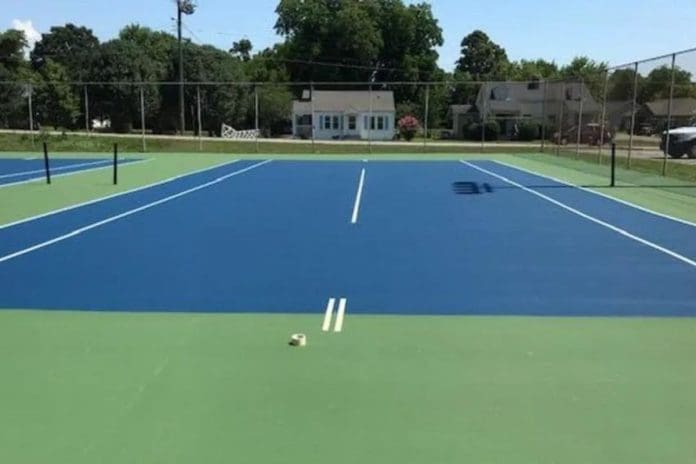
[491, 131]
[528, 131]
[408, 126]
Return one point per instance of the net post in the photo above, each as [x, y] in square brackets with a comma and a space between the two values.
[115, 164]
[613, 164]
[47, 167]
[669, 116]
[633, 114]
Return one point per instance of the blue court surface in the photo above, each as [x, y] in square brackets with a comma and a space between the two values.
[22, 170]
[476, 237]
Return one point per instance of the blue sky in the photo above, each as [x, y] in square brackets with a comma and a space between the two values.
[616, 31]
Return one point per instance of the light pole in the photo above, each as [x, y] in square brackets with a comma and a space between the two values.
[183, 7]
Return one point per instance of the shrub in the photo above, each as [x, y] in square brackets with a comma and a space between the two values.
[491, 130]
[527, 131]
[408, 126]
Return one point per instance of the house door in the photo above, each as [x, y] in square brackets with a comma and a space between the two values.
[351, 125]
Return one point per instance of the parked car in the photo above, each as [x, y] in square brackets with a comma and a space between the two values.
[682, 141]
[589, 135]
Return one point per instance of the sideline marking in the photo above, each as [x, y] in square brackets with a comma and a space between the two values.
[616, 229]
[601, 194]
[339, 315]
[114, 195]
[130, 212]
[328, 315]
[59, 168]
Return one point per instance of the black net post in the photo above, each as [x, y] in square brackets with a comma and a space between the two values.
[613, 164]
[115, 163]
[47, 167]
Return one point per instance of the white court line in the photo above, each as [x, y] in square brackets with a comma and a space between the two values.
[616, 229]
[72, 173]
[604, 195]
[328, 315]
[114, 195]
[358, 196]
[59, 168]
[94, 225]
[339, 315]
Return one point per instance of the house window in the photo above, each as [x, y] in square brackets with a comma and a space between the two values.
[380, 123]
[327, 122]
[351, 122]
[335, 123]
[372, 123]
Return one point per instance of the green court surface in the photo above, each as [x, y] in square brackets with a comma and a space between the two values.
[84, 388]
[80, 387]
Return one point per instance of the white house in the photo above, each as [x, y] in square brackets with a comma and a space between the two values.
[344, 114]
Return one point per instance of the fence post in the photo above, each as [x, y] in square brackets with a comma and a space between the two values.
[115, 164]
[561, 101]
[602, 124]
[483, 116]
[369, 121]
[87, 125]
[142, 118]
[198, 117]
[425, 119]
[543, 116]
[30, 90]
[256, 115]
[578, 138]
[47, 167]
[633, 115]
[311, 103]
[669, 115]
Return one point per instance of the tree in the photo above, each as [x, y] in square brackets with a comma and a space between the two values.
[15, 70]
[657, 84]
[532, 70]
[621, 83]
[242, 49]
[482, 58]
[56, 103]
[591, 72]
[73, 47]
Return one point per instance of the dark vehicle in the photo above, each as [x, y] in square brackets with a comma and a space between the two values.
[591, 134]
[682, 141]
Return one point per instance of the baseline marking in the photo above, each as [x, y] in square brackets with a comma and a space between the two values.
[601, 194]
[577, 212]
[328, 315]
[340, 314]
[77, 171]
[128, 213]
[358, 197]
[114, 195]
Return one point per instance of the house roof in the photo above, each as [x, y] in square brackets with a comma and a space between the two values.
[681, 107]
[346, 101]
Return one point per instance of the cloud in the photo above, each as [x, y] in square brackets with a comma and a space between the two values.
[30, 32]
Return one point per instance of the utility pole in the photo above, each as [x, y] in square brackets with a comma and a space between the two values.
[183, 7]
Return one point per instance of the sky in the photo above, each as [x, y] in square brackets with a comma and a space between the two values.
[615, 31]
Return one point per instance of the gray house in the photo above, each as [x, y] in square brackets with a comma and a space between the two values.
[344, 114]
[509, 103]
[683, 112]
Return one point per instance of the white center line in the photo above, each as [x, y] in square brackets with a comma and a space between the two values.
[616, 229]
[358, 196]
[127, 213]
[328, 314]
[339, 315]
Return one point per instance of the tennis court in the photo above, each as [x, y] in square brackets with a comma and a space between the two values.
[164, 311]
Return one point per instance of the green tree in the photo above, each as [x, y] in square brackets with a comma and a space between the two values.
[73, 47]
[242, 49]
[482, 58]
[532, 70]
[657, 84]
[621, 83]
[14, 70]
[591, 72]
[55, 102]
